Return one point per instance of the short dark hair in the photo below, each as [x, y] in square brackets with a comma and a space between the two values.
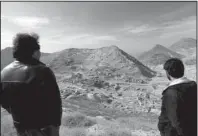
[174, 67]
[24, 45]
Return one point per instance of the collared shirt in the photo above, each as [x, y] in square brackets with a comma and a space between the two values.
[179, 81]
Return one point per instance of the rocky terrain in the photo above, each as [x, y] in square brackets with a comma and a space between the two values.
[98, 60]
[111, 84]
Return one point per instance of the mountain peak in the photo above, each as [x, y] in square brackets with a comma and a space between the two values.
[158, 55]
[114, 47]
[105, 58]
[158, 46]
[187, 39]
[184, 43]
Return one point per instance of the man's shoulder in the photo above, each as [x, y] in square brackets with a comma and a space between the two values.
[42, 68]
[11, 68]
[170, 91]
[179, 88]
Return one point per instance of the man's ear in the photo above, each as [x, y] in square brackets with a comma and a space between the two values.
[36, 54]
[167, 75]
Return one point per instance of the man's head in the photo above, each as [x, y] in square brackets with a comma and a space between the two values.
[174, 68]
[26, 46]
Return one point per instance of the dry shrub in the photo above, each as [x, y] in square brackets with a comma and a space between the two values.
[77, 120]
[64, 131]
[118, 132]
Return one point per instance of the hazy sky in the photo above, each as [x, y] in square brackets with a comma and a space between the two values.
[132, 26]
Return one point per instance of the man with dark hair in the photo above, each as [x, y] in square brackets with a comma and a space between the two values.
[29, 90]
[179, 102]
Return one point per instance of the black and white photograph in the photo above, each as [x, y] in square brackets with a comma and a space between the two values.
[98, 68]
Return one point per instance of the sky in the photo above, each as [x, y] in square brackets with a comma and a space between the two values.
[134, 27]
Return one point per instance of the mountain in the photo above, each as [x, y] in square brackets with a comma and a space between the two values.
[184, 43]
[66, 60]
[185, 46]
[92, 60]
[158, 55]
[7, 58]
[100, 60]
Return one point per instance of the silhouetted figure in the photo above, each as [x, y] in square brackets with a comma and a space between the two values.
[29, 90]
[179, 103]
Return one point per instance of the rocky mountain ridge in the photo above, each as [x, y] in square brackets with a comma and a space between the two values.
[89, 59]
[158, 55]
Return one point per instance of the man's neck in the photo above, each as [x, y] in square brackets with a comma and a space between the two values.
[28, 60]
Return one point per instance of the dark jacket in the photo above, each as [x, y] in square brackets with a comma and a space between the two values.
[31, 94]
[179, 110]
